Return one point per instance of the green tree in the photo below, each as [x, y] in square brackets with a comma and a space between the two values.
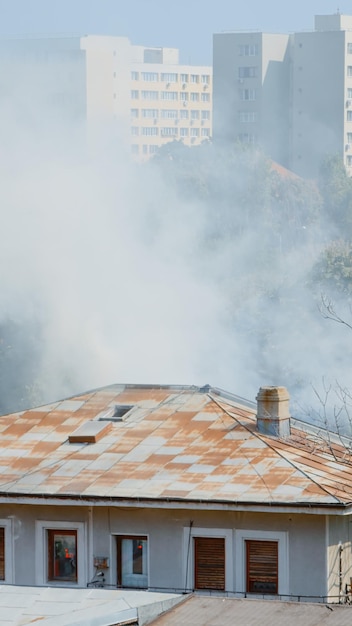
[336, 189]
[333, 271]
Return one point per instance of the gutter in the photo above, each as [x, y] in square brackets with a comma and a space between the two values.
[337, 508]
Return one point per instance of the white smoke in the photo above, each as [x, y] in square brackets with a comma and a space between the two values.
[112, 262]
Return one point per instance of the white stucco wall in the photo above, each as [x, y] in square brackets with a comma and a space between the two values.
[307, 570]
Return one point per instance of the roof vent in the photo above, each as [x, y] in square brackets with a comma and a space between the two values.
[116, 413]
[90, 432]
[273, 417]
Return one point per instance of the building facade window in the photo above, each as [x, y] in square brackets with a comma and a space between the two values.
[195, 115]
[261, 563]
[184, 78]
[349, 48]
[184, 114]
[169, 131]
[169, 77]
[262, 567]
[349, 70]
[132, 561]
[205, 97]
[134, 131]
[349, 93]
[153, 149]
[150, 95]
[60, 553]
[349, 138]
[2, 553]
[205, 79]
[150, 76]
[169, 114]
[205, 115]
[248, 50]
[209, 562]
[205, 132]
[6, 551]
[184, 132]
[134, 112]
[208, 558]
[247, 138]
[195, 96]
[349, 116]
[150, 113]
[134, 94]
[248, 116]
[247, 72]
[169, 95]
[184, 96]
[194, 132]
[194, 78]
[134, 76]
[150, 131]
[248, 94]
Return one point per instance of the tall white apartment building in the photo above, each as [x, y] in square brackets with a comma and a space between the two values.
[290, 94]
[144, 92]
[251, 90]
[321, 94]
[169, 101]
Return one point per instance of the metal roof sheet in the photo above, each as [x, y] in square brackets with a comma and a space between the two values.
[203, 611]
[80, 607]
[175, 443]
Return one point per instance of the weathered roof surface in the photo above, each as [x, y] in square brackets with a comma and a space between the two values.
[212, 611]
[283, 171]
[180, 443]
[80, 607]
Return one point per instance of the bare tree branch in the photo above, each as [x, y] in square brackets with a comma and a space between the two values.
[333, 420]
[328, 312]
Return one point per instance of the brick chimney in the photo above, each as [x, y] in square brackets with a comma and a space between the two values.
[273, 417]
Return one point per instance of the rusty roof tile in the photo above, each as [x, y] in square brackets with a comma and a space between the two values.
[177, 442]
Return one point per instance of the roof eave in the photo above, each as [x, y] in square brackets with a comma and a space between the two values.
[313, 508]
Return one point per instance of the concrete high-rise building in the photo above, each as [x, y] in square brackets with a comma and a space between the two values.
[169, 101]
[145, 92]
[321, 94]
[251, 90]
[290, 94]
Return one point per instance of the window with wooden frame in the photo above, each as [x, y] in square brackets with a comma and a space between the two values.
[132, 561]
[62, 555]
[2, 553]
[209, 563]
[262, 569]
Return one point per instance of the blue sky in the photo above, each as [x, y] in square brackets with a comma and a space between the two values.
[185, 24]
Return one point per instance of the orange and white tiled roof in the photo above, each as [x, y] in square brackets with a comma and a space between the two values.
[176, 444]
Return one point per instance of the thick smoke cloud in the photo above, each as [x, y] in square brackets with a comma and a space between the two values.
[111, 285]
[110, 261]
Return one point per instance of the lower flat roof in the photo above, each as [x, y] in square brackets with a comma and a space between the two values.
[200, 610]
[53, 606]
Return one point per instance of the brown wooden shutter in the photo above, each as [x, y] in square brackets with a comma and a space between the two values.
[209, 558]
[262, 566]
[2, 553]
